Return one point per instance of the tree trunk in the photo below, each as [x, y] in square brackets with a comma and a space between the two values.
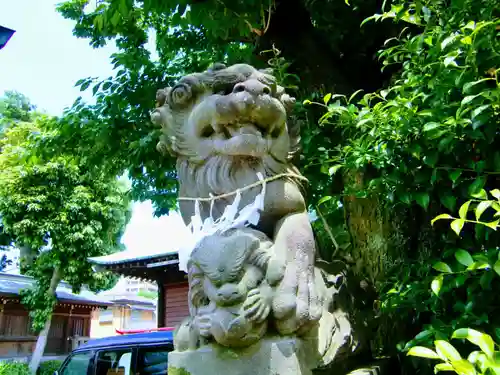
[27, 255]
[43, 335]
[379, 244]
[373, 228]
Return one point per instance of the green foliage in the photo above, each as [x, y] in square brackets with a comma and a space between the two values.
[19, 368]
[15, 106]
[14, 368]
[433, 132]
[188, 36]
[48, 367]
[476, 275]
[58, 206]
[484, 361]
[423, 145]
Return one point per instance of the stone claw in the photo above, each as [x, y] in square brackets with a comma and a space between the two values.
[275, 271]
[256, 307]
[204, 324]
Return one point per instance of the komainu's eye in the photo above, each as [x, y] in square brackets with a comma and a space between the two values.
[181, 94]
[207, 131]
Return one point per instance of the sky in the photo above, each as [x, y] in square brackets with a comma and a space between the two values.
[43, 60]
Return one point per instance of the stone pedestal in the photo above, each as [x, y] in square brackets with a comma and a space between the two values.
[269, 357]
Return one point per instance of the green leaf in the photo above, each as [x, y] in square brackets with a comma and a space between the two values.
[424, 334]
[96, 88]
[481, 207]
[495, 193]
[334, 169]
[123, 8]
[479, 110]
[496, 267]
[468, 99]
[85, 86]
[483, 340]
[436, 284]
[354, 95]
[439, 217]
[493, 225]
[431, 159]
[430, 126]
[462, 212]
[447, 351]
[477, 185]
[463, 367]
[485, 280]
[422, 199]
[324, 199]
[450, 60]
[479, 265]
[405, 198]
[443, 367]
[471, 25]
[481, 194]
[455, 174]
[449, 201]
[469, 85]
[421, 351]
[327, 98]
[464, 257]
[107, 85]
[442, 267]
[457, 225]
[115, 19]
[446, 42]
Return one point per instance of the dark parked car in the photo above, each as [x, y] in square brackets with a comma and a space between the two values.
[129, 354]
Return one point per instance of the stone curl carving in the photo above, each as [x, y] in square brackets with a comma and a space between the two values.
[225, 126]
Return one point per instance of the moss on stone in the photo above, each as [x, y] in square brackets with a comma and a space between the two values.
[177, 371]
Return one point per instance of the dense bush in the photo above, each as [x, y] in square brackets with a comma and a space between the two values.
[48, 367]
[425, 145]
[14, 368]
[20, 368]
[475, 274]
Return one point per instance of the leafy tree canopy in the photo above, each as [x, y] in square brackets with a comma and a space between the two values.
[60, 208]
[190, 35]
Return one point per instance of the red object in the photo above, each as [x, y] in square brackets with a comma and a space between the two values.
[130, 331]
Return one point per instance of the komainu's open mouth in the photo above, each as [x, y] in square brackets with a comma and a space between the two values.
[232, 130]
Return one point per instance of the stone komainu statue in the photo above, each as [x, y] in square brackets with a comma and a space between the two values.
[224, 126]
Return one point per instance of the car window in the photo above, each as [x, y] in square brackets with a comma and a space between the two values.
[78, 364]
[114, 362]
[154, 360]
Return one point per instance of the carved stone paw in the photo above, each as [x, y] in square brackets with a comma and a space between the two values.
[257, 306]
[238, 327]
[204, 324]
[275, 271]
[297, 302]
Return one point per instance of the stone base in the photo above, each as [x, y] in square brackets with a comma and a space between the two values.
[269, 357]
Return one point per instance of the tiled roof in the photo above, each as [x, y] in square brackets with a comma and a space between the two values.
[11, 285]
[123, 257]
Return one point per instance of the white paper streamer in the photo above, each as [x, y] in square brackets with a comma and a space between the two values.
[230, 219]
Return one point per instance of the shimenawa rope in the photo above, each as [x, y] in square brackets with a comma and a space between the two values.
[257, 183]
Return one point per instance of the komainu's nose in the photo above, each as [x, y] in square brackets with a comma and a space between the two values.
[252, 86]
